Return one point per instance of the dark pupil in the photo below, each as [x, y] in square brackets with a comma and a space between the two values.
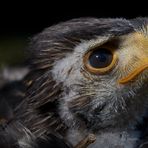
[100, 58]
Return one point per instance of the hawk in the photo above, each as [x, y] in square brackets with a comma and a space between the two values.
[86, 76]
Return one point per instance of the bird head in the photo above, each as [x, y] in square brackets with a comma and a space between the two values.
[94, 70]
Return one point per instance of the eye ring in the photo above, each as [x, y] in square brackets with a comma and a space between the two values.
[101, 70]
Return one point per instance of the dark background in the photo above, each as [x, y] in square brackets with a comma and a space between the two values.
[21, 20]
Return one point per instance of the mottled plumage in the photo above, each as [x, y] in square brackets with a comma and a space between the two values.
[64, 99]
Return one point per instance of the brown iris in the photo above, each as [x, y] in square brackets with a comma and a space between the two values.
[99, 60]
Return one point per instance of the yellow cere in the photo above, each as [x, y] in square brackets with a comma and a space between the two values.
[139, 44]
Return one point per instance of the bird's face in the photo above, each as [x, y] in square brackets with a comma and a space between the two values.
[105, 81]
[102, 65]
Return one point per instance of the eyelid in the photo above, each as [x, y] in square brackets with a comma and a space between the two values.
[99, 70]
[96, 47]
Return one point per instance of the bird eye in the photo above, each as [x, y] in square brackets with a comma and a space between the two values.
[99, 60]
